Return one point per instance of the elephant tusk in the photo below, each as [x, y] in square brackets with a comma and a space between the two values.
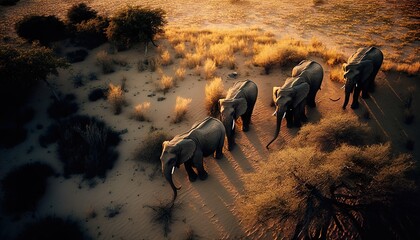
[334, 100]
[343, 86]
[173, 170]
[284, 115]
[274, 113]
[233, 124]
[356, 85]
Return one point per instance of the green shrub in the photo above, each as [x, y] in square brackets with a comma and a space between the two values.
[45, 29]
[333, 131]
[52, 228]
[91, 33]
[80, 12]
[21, 69]
[135, 24]
[24, 186]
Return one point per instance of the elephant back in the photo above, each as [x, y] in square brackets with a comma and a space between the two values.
[234, 91]
[302, 66]
[361, 54]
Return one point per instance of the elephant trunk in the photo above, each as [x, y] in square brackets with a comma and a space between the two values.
[276, 134]
[346, 98]
[168, 175]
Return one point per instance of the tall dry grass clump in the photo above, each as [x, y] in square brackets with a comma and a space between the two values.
[214, 91]
[181, 109]
[209, 68]
[180, 74]
[180, 50]
[333, 131]
[166, 58]
[192, 60]
[220, 52]
[116, 97]
[140, 111]
[410, 69]
[166, 83]
[281, 53]
[105, 62]
[337, 75]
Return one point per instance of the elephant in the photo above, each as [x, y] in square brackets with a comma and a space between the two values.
[240, 101]
[203, 139]
[297, 91]
[360, 72]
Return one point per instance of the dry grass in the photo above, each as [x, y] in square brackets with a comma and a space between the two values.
[166, 83]
[163, 214]
[105, 62]
[140, 111]
[219, 52]
[166, 58]
[214, 91]
[410, 69]
[337, 75]
[116, 98]
[181, 109]
[333, 131]
[192, 60]
[180, 50]
[151, 148]
[180, 74]
[209, 68]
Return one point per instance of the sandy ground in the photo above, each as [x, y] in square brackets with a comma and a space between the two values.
[209, 208]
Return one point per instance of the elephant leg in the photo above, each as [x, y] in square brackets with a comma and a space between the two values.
[356, 93]
[192, 176]
[219, 149]
[246, 119]
[371, 86]
[303, 117]
[311, 99]
[289, 118]
[198, 162]
[296, 116]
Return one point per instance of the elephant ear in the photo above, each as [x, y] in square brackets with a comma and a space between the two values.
[276, 91]
[351, 71]
[240, 106]
[186, 149]
[366, 68]
[301, 91]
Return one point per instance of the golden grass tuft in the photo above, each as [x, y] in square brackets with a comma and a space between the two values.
[214, 91]
[166, 58]
[140, 111]
[281, 53]
[193, 59]
[180, 74]
[209, 68]
[337, 75]
[410, 69]
[219, 52]
[180, 50]
[116, 98]
[166, 83]
[181, 109]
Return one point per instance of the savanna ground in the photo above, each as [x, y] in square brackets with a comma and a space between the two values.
[115, 207]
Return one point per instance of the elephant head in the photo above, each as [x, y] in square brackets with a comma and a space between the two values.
[286, 99]
[230, 110]
[174, 153]
[355, 75]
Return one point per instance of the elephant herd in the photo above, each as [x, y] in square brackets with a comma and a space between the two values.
[207, 136]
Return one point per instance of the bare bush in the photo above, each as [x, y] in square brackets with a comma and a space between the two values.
[214, 91]
[105, 62]
[116, 98]
[181, 108]
[140, 111]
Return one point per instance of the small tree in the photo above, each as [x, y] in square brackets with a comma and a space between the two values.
[135, 24]
[80, 12]
[91, 33]
[21, 69]
[45, 29]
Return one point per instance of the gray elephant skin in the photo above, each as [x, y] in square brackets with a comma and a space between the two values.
[297, 91]
[239, 102]
[360, 72]
[203, 139]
